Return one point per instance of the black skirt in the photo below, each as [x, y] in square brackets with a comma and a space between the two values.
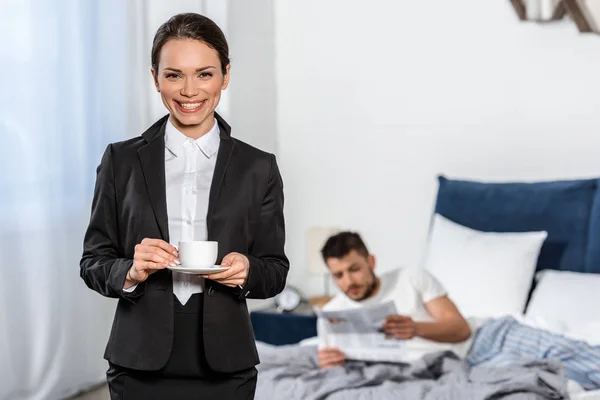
[186, 375]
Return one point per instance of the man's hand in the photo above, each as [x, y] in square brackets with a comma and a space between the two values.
[400, 327]
[331, 357]
[236, 274]
[150, 256]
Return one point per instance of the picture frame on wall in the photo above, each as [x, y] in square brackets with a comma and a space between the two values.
[585, 14]
[539, 10]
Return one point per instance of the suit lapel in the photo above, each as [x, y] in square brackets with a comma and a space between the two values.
[223, 159]
[152, 159]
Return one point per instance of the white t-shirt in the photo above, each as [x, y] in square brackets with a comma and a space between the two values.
[410, 289]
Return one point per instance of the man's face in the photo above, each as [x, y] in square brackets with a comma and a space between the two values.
[354, 275]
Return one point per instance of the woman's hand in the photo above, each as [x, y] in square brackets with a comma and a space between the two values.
[150, 256]
[236, 274]
[331, 357]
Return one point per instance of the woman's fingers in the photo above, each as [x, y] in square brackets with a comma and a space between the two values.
[169, 248]
[149, 266]
[154, 254]
[151, 255]
[153, 261]
[228, 274]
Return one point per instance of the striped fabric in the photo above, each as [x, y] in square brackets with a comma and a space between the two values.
[505, 342]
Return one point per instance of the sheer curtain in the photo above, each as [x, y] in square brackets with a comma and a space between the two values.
[75, 76]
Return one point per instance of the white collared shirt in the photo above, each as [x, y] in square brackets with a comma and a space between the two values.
[189, 170]
[189, 167]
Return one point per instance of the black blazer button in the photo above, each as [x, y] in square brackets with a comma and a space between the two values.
[210, 290]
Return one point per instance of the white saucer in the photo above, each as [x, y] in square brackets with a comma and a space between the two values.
[198, 271]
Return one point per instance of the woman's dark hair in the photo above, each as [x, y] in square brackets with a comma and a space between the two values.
[191, 26]
[338, 246]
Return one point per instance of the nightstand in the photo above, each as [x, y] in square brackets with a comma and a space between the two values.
[279, 328]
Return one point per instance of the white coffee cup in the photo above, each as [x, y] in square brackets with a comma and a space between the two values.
[198, 254]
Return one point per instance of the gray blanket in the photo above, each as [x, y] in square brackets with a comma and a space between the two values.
[292, 373]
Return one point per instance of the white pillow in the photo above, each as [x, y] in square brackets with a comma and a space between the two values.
[486, 274]
[570, 299]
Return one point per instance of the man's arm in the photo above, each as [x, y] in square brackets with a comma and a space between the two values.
[449, 325]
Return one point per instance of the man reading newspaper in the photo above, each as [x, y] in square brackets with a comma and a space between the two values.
[398, 316]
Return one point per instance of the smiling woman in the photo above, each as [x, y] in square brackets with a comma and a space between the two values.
[177, 335]
[190, 71]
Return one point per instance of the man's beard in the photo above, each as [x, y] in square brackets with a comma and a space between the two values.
[370, 289]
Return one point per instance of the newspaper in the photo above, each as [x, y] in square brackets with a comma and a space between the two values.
[359, 333]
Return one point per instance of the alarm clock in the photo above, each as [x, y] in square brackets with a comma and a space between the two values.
[289, 299]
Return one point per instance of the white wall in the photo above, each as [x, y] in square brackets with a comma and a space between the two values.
[375, 98]
[252, 90]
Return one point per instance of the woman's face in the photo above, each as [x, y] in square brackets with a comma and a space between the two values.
[190, 81]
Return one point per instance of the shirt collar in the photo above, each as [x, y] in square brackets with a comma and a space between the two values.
[208, 143]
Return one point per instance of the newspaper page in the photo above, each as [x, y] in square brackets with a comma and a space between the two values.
[359, 333]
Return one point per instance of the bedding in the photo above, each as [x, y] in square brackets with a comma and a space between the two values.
[505, 342]
[291, 372]
[486, 274]
[506, 356]
[591, 395]
[568, 210]
[576, 392]
[569, 301]
[584, 331]
[563, 304]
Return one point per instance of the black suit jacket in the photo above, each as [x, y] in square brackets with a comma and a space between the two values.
[245, 215]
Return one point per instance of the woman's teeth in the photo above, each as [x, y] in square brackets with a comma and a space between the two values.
[191, 106]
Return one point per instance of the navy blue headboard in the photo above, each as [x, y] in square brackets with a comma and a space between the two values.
[568, 210]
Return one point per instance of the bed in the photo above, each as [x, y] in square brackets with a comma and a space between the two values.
[540, 244]
[558, 290]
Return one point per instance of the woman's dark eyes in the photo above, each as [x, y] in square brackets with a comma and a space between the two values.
[201, 75]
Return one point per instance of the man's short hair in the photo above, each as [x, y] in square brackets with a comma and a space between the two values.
[341, 244]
